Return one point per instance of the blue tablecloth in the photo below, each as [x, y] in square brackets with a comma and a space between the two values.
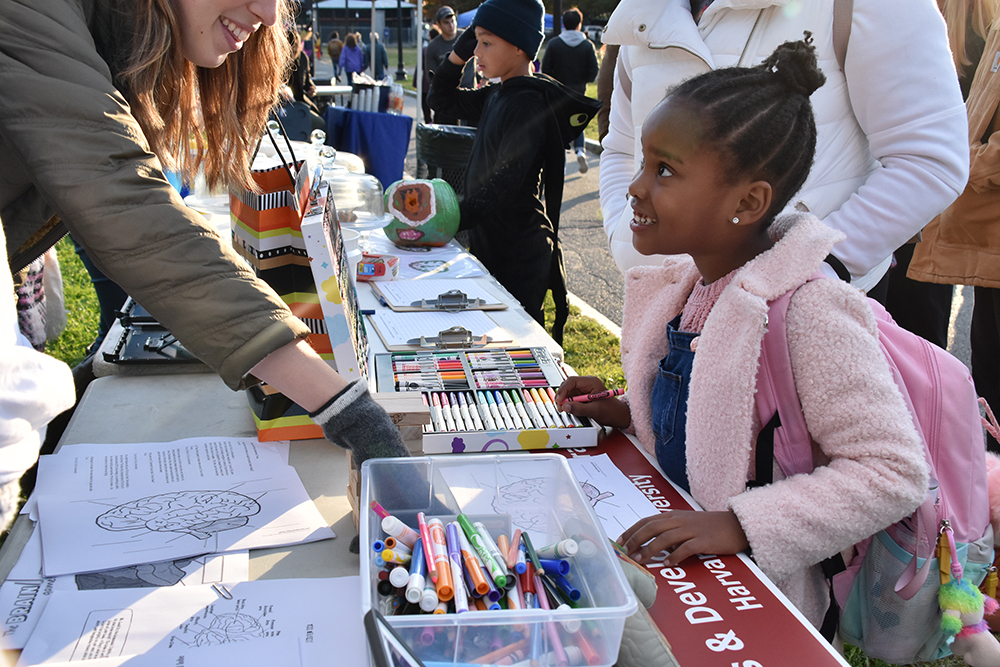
[380, 139]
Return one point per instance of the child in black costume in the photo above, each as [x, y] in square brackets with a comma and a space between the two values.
[524, 124]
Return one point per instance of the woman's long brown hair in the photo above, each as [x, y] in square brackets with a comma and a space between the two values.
[959, 14]
[196, 117]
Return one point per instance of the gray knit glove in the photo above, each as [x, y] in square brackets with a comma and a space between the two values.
[353, 420]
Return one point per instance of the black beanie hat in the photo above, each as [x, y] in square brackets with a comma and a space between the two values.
[519, 22]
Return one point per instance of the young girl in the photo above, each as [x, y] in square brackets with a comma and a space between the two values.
[722, 155]
[123, 88]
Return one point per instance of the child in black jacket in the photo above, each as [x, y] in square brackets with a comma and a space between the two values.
[524, 124]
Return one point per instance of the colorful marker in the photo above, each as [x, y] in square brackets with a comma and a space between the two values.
[484, 555]
[536, 416]
[418, 570]
[597, 396]
[445, 587]
[425, 535]
[502, 408]
[378, 509]
[472, 566]
[532, 556]
[396, 528]
[455, 560]
[456, 414]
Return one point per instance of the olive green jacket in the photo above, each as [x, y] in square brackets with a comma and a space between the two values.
[73, 159]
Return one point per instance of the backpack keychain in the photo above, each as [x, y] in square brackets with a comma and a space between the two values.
[964, 607]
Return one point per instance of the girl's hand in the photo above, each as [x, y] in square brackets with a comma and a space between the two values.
[684, 534]
[607, 412]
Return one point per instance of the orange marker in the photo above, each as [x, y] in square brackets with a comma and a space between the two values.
[445, 587]
[473, 566]
[515, 542]
[503, 544]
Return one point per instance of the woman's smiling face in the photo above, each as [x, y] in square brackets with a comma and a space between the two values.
[212, 29]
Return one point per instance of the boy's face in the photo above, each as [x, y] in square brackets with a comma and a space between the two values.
[497, 57]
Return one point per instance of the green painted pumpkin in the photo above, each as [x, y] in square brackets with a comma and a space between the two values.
[424, 212]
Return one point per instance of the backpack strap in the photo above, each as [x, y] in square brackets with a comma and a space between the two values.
[843, 14]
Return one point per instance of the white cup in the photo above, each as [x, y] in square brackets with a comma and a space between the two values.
[350, 238]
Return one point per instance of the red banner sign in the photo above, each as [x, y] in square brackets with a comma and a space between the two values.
[716, 611]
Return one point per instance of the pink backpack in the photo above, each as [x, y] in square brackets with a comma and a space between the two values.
[888, 606]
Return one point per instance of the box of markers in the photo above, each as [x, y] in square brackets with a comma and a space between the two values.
[519, 570]
[484, 400]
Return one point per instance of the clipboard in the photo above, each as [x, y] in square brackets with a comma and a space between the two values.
[401, 331]
[448, 295]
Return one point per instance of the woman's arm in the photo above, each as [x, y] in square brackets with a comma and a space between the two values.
[89, 163]
[909, 105]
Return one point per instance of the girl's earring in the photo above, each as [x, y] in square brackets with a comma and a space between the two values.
[736, 221]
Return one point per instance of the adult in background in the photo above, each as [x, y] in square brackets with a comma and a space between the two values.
[149, 79]
[892, 149]
[352, 59]
[437, 50]
[333, 48]
[308, 48]
[431, 33]
[381, 61]
[300, 86]
[962, 245]
[571, 59]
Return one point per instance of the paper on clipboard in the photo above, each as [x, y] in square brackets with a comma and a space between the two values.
[401, 295]
[397, 330]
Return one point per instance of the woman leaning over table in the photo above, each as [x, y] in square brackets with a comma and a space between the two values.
[87, 125]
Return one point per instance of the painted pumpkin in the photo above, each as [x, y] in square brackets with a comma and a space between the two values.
[424, 212]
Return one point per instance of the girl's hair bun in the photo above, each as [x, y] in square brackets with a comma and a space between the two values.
[795, 65]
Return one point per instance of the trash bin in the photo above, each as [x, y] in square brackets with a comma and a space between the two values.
[443, 152]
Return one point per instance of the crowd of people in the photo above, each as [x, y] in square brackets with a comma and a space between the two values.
[746, 151]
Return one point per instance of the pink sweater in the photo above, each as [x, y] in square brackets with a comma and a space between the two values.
[870, 463]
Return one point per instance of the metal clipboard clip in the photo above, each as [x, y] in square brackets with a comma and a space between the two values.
[451, 301]
[159, 344]
[456, 336]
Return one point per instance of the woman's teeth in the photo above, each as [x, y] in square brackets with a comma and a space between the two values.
[238, 33]
[641, 219]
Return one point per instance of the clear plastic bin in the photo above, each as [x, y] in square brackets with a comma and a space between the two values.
[536, 493]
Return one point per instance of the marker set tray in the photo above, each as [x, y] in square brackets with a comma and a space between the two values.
[486, 400]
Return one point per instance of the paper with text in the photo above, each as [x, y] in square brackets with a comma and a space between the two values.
[322, 615]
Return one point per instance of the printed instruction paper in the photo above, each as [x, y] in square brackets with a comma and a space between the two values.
[25, 593]
[322, 615]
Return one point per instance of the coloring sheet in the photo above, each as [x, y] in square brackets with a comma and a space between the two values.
[276, 651]
[281, 447]
[525, 493]
[322, 615]
[108, 506]
[615, 499]
[25, 593]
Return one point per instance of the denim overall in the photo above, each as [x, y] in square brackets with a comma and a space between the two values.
[668, 404]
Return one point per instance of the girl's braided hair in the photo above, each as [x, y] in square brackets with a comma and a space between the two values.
[760, 117]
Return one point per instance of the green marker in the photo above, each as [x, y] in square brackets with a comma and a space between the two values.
[484, 555]
[531, 553]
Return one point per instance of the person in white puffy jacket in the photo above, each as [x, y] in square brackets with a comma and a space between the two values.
[34, 388]
[892, 149]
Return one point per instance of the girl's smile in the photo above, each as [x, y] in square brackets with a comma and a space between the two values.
[684, 199]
